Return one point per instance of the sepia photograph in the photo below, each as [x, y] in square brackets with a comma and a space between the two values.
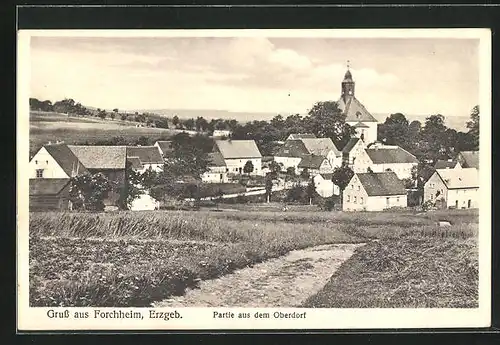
[253, 170]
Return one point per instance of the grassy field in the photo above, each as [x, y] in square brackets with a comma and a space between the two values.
[424, 267]
[135, 258]
[45, 127]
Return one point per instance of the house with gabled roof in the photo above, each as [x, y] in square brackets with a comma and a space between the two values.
[355, 112]
[217, 169]
[236, 153]
[290, 154]
[391, 158]
[314, 164]
[148, 156]
[373, 191]
[165, 147]
[454, 188]
[55, 161]
[354, 155]
[468, 159]
[323, 147]
[324, 185]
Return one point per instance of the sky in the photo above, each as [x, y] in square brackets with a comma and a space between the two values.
[257, 74]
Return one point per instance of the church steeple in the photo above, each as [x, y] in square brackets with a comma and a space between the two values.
[347, 84]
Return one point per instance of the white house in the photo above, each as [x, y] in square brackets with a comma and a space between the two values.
[391, 158]
[290, 154]
[222, 133]
[354, 155]
[55, 161]
[237, 153]
[144, 202]
[217, 172]
[323, 147]
[457, 188]
[324, 185]
[148, 156]
[374, 192]
[314, 165]
[355, 112]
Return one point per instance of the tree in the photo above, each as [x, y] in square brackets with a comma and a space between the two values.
[473, 126]
[102, 114]
[341, 177]
[162, 123]
[143, 141]
[326, 120]
[201, 124]
[394, 131]
[123, 117]
[88, 191]
[112, 115]
[133, 188]
[175, 121]
[188, 124]
[305, 174]
[115, 110]
[248, 168]
[189, 156]
[275, 168]
[310, 190]
[434, 137]
[269, 186]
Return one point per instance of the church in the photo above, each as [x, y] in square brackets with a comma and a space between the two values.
[356, 114]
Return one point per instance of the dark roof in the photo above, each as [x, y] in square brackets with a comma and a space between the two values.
[101, 157]
[47, 186]
[444, 164]
[348, 76]
[380, 184]
[469, 159]
[216, 160]
[146, 154]
[311, 161]
[354, 110]
[267, 159]
[165, 146]
[350, 145]
[66, 159]
[320, 146]
[292, 148]
[135, 162]
[390, 155]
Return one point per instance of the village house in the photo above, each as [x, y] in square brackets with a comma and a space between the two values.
[323, 147]
[455, 188]
[165, 147]
[314, 165]
[447, 164]
[222, 133]
[55, 161]
[355, 112]
[49, 194]
[355, 156]
[217, 169]
[374, 192]
[324, 185]
[290, 154]
[146, 157]
[237, 153]
[391, 158]
[108, 160]
[298, 136]
[468, 159]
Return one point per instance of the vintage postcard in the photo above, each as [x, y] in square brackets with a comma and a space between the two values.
[253, 179]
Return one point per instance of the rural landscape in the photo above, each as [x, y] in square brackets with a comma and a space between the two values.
[327, 209]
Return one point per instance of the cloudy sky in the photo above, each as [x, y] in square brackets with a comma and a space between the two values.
[285, 75]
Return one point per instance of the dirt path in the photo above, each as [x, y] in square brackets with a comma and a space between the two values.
[282, 282]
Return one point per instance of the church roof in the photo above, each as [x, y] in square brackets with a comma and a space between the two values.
[348, 76]
[354, 110]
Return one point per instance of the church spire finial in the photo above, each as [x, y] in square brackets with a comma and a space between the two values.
[348, 64]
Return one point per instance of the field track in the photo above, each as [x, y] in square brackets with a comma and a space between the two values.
[286, 281]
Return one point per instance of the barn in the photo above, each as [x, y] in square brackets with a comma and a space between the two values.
[49, 194]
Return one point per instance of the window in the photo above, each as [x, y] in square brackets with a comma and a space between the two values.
[355, 199]
[39, 173]
[360, 199]
[348, 198]
[36, 162]
[397, 199]
[387, 201]
[358, 187]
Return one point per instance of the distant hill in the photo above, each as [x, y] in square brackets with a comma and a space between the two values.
[456, 122]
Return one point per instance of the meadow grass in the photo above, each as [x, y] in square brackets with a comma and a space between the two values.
[136, 258]
[422, 267]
